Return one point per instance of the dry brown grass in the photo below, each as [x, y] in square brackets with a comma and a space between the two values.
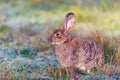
[111, 48]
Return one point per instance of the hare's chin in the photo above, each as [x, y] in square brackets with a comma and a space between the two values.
[57, 43]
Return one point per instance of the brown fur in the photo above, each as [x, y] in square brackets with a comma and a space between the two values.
[78, 53]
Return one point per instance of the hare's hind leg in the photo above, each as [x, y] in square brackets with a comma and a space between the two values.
[72, 71]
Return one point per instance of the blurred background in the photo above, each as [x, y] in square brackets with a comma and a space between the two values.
[25, 26]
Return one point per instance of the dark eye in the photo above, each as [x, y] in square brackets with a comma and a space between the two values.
[58, 34]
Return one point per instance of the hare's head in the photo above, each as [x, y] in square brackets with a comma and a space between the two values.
[62, 35]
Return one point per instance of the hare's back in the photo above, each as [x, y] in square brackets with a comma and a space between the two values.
[86, 49]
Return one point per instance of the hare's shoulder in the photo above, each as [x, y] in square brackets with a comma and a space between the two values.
[84, 41]
[86, 49]
[86, 46]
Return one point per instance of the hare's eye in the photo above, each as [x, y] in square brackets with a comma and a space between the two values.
[58, 33]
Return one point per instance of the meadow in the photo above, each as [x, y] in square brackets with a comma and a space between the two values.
[26, 25]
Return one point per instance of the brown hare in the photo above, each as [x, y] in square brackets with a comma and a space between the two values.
[77, 53]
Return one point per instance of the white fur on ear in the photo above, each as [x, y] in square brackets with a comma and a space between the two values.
[69, 22]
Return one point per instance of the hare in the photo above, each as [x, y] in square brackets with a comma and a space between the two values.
[77, 53]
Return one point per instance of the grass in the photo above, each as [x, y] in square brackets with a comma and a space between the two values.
[30, 24]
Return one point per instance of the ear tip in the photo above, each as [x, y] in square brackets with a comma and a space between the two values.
[70, 14]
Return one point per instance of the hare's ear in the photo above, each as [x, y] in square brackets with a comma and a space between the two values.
[69, 22]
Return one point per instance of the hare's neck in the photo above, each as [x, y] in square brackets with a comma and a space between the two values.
[61, 48]
[62, 45]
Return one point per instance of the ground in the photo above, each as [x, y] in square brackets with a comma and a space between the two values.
[26, 25]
